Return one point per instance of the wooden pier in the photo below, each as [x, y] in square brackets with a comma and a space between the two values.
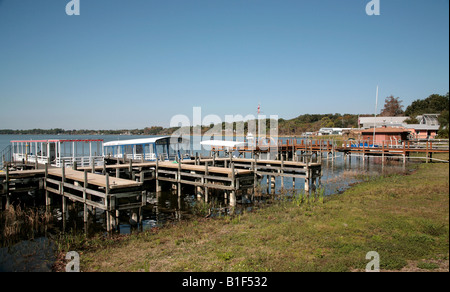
[97, 191]
[297, 150]
[404, 150]
[124, 184]
[19, 182]
[234, 176]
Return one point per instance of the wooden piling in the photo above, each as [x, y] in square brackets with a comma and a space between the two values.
[93, 164]
[179, 179]
[107, 211]
[8, 196]
[233, 186]
[156, 176]
[206, 182]
[307, 176]
[85, 186]
[281, 172]
[61, 188]
[47, 198]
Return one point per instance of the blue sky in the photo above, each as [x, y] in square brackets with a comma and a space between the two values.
[136, 63]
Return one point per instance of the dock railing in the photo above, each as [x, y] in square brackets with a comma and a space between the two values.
[5, 156]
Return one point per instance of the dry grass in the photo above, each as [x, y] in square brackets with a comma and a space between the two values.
[402, 217]
[17, 223]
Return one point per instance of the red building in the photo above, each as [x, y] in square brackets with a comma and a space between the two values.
[385, 134]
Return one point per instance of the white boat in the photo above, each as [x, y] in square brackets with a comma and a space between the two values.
[58, 152]
[166, 147]
[219, 143]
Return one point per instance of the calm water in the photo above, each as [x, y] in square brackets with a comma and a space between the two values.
[338, 175]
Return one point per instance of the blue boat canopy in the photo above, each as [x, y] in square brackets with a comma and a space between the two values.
[166, 147]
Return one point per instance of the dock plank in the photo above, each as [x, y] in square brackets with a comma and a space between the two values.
[23, 173]
[95, 179]
[201, 168]
[184, 166]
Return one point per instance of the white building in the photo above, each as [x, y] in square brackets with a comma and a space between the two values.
[331, 131]
[370, 122]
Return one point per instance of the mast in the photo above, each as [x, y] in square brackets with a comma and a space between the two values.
[375, 119]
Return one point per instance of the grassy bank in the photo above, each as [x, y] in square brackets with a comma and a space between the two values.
[405, 218]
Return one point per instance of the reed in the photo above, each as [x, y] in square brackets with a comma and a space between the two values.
[201, 208]
[305, 198]
[17, 222]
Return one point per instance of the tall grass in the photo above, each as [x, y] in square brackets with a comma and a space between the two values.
[17, 223]
[302, 197]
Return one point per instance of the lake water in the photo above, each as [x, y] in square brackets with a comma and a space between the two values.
[338, 175]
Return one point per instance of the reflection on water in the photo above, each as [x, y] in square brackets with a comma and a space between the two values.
[37, 255]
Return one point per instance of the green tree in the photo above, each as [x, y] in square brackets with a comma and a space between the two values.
[444, 122]
[392, 107]
[434, 104]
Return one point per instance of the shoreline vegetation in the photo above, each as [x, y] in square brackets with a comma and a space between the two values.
[287, 128]
[435, 103]
[403, 217]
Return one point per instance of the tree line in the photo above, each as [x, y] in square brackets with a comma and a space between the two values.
[434, 104]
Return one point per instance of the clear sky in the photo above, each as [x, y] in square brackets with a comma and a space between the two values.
[136, 63]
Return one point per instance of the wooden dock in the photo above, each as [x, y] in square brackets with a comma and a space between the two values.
[93, 190]
[295, 149]
[403, 150]
[228, 174]
[123, 184]
[96, 191]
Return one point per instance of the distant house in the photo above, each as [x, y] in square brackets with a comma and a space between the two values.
[371, 122]
[393, 135]
[427, 128]
[423, 132]
[331, 131]
[428, 119]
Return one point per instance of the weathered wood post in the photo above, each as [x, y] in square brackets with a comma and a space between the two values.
[404, 152]
[156, 176]
[92, 165]
[206, 182]
[61, 188]
[85, 186]
[364, 151]
[281, 172]
[179, 179]
[8, 197]
[293, 148]
[233, 186]
[255, 176]
[47, 197]
[431, 151]
[130, 168]
[107, 205]
[143, 198]
[307, 175]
